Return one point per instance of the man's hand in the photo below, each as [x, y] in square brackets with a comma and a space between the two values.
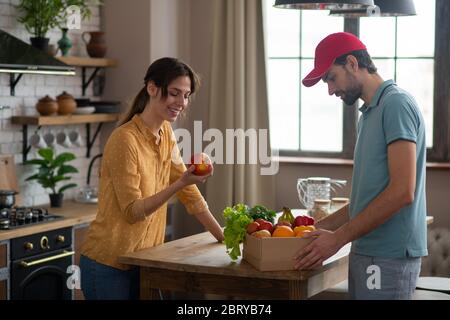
[320, 249]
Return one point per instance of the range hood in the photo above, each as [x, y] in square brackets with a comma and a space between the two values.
[17, 56]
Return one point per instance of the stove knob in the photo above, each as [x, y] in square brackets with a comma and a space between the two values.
[44, 243]
[60, 238]
[28, 246]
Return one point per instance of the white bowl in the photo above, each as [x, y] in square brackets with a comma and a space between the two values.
[84, 110]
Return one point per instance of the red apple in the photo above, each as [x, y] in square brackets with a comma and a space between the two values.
[202, 163]
[252, 227]
[265, 225]
[311, 221]
[301, 221]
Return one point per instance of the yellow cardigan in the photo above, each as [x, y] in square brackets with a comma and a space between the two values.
[135, 166]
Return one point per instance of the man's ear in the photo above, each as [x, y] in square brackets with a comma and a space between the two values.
[152, 89]
[352, 63]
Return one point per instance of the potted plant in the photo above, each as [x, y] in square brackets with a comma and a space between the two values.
[39, 16]
[52, 171]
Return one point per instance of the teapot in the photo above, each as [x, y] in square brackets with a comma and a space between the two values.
[313, 188]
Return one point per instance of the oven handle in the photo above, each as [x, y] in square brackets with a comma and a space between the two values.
[39, 261]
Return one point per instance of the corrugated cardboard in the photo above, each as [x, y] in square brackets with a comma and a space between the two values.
[272, 254]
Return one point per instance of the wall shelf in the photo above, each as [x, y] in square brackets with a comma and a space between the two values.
[85, 63]
[39, 121]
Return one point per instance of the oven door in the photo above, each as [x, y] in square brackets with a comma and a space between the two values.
[42, 277]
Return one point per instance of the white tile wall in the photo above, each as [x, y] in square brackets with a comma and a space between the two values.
[31, 88]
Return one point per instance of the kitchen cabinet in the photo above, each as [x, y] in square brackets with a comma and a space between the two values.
[79, 235]
[4, 271]
[3, 289]
[40, 121]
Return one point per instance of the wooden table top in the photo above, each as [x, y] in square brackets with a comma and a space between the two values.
[201, 253]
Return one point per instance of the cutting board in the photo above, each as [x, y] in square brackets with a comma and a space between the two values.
[8, 176]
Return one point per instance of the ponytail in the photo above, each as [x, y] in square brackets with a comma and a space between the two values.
[138, 105]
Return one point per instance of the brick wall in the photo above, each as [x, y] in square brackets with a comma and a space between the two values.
[28, 91]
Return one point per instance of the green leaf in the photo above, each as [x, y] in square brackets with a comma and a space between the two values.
[236, 221]
[67, 186]
[46, 153]
[62, 158]
[65, 169]
[36, 162]
[33, 177]
[53, 171]
[261, 212]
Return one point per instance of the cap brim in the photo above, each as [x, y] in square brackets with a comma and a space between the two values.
[315, 75]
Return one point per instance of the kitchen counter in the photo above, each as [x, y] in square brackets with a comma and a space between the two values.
[73, 213]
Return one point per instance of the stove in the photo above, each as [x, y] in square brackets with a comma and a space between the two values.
[17, 217]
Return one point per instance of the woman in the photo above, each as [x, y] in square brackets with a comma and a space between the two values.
[139, 174]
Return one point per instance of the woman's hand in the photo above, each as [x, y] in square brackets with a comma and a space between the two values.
[189, 178]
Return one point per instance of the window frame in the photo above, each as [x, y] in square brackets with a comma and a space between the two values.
[440, 152]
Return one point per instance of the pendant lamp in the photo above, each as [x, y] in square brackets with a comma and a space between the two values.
[324, 5]
[383, 8]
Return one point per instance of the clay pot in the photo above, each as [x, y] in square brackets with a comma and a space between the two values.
[66, 104]
[47, 106]
[96, 47]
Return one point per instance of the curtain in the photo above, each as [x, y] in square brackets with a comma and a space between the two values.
[238, 100]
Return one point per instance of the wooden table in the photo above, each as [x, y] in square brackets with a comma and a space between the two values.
[199, 264]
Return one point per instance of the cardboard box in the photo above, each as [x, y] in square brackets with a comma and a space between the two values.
[272, 254]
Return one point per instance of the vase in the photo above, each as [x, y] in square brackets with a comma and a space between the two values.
[40, 43]
[64, 44]
[56, 200]
[96, 46]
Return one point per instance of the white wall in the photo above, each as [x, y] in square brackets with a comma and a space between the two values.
[33, 87]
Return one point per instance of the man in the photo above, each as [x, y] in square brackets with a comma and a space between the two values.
[385, 220]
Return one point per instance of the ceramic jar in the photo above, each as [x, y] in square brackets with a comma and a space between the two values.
[96, 46]
[47, 106]
[66, 104]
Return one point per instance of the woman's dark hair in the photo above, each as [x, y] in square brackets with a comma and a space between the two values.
[363, 58]
[162, 72]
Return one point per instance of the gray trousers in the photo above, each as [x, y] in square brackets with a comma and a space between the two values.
[376, 278]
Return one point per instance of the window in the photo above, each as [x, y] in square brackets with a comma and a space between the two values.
[399, 56]
[309, 122]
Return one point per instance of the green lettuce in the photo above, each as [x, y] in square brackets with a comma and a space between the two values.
[236, 220]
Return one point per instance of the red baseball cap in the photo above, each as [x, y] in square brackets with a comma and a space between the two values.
[330, 48]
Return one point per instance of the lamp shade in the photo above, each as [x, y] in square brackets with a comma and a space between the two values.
[384, 8]
[324, 5]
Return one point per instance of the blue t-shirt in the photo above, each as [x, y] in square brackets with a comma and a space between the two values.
[392, 115]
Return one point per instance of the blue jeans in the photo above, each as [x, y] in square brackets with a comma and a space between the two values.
[376, 278]
[102, 282]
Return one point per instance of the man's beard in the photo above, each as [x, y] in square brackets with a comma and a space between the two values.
[353, 93]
